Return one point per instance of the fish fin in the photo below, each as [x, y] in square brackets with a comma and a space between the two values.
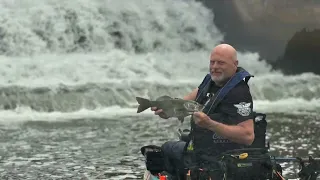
[165, 97]
[143, 104]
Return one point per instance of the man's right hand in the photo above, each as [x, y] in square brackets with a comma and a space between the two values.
[159, 112]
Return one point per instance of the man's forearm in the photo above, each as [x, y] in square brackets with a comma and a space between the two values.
[235, 133]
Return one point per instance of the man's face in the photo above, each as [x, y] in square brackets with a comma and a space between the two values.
[222, 67]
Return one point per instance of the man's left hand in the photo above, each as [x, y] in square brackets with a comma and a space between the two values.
[201, 119]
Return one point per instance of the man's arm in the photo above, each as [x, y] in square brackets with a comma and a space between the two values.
[192, 95]
[238, 107]
[242, 133]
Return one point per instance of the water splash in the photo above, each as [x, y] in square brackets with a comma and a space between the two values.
[34, 27]
[100, 54]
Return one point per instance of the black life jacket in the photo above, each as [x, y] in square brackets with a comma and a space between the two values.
[203, 139]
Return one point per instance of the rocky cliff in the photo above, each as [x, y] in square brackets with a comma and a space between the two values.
[274, 29]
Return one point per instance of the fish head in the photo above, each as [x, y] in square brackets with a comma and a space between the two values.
[192, 106]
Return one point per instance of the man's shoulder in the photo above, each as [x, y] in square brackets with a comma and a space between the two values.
[239, 102]
[240, 90]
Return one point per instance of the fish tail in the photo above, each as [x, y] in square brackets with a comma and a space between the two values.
[143, 104]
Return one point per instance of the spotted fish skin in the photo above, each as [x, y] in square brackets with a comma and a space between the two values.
[172, 107]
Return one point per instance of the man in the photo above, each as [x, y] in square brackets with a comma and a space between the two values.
[227, 126]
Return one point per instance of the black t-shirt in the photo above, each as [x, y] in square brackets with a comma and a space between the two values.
[237, 105]
[233, 109]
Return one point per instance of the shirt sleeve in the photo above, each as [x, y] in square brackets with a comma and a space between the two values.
[239, 105]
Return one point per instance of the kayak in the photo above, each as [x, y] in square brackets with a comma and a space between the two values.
[241, 161]
[311, 171]
[254, 162]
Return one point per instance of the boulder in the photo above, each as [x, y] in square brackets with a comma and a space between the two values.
[272, 28]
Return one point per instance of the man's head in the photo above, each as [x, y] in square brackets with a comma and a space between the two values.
[223, 63]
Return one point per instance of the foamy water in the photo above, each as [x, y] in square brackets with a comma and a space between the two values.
[70, 57]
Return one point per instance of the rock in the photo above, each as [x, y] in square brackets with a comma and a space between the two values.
[301, 53]
[266, 26]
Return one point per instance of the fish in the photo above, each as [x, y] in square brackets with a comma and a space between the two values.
[172, 107]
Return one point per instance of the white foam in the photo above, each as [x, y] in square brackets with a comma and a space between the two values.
[176, 26]
[113, 67]
[55, 26]
[24, 114]
[288, 106]
[42, 28]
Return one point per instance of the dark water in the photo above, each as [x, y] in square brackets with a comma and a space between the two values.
[110, 148]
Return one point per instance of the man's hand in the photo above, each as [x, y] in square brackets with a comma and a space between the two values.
[201, 119]
[159, 112]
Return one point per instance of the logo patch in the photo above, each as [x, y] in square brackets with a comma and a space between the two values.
[243, 108]
[219, 139]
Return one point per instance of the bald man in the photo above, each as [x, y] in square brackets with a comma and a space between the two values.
[226, 127]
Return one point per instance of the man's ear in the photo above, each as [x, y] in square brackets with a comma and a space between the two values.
[236, 62]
